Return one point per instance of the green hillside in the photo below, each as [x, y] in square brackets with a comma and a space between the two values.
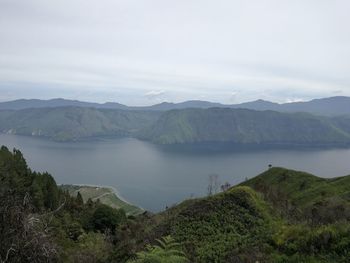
[303, 195]
[245, 127]
[74, 123]
[222, 228]
[218, 125]
[307, 219]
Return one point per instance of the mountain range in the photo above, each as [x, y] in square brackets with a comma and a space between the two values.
[332, 106]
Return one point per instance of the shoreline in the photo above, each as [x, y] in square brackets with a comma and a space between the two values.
[114, 191]
[215, 146]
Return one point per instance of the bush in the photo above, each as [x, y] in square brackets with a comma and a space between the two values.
[107, 218]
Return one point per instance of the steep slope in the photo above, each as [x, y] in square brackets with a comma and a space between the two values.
[302, 195]
[73, 123]
[244, 126]
[253, 221]
[179, 126]
[222, 228]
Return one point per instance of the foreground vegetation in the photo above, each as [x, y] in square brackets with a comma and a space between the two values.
[278, 216]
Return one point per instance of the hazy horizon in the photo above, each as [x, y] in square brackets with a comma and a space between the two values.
[57, 98]
[144, 53]
[160, 102]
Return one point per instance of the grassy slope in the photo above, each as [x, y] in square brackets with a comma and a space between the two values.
[221, 227]
[251, 222]
[304, 194]
[105, 195]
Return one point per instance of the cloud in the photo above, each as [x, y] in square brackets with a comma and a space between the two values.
[124, 50]
[233, 96]
[290, 100]
[154, 94]
[337, 92]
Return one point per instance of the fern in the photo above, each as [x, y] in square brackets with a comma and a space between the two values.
[167, 251]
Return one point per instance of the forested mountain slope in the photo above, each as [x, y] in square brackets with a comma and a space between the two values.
[246, 127]
[179, 126]
[74, 123]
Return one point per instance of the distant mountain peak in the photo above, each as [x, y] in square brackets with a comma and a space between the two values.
[337, 105]
[263, 101]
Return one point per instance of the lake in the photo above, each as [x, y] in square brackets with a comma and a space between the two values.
[154, 177]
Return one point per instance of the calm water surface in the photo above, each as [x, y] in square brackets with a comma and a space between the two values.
[153, 177]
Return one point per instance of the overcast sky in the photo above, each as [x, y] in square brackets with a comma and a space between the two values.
[141, 52]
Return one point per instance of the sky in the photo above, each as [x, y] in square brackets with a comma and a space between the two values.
[142, 52]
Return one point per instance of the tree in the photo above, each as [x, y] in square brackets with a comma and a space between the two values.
[107, 218]
[80, 200]
[44, 191]
[225, 186]
[51, 198]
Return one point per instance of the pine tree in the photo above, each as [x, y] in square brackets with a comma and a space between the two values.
[80, 200]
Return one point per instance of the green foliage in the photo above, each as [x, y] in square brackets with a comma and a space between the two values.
[80, 200]
[91, 247]
[168, 251]
[14, 173]
[278, 216]
[268, 224]
[220, 227]
[302, 195]
[326, 243]
[107, 218]
[44, 191]
[40, 222]
[179, 126]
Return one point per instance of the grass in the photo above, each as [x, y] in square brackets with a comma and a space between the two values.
[106, 196]
[214, 228]
[300, 187]
[279, 216]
